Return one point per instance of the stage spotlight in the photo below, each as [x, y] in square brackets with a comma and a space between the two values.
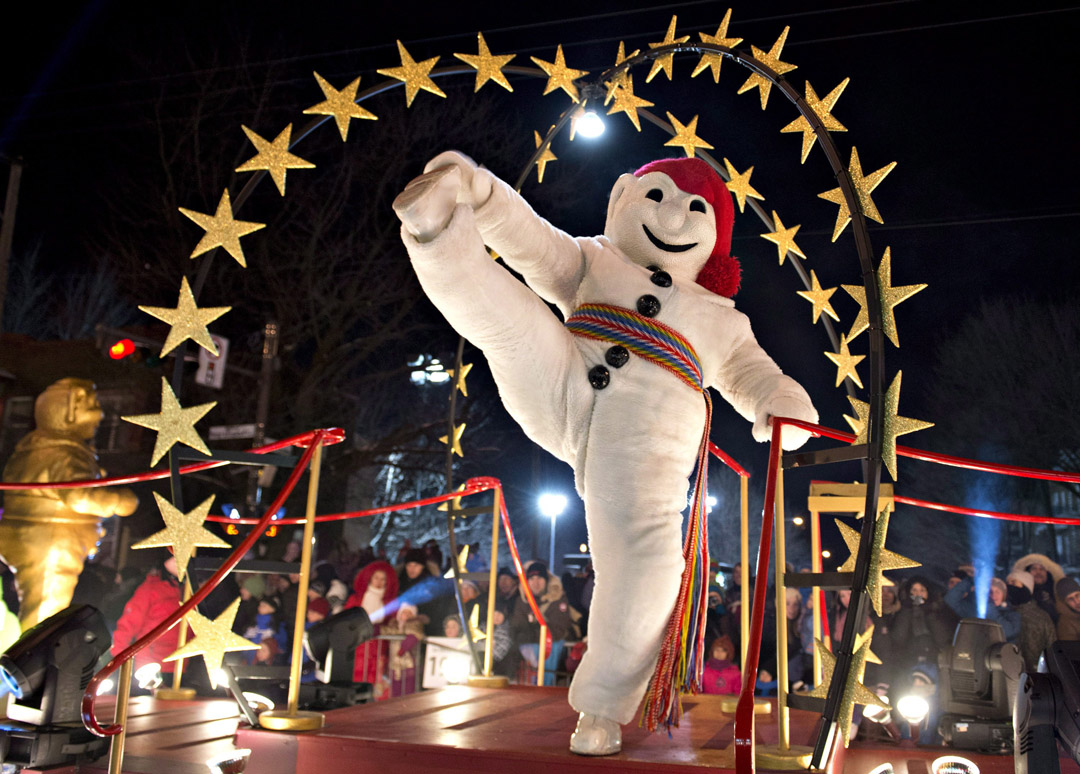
[332, 644]
[105, 686]
[258, 702]
[233, 762]
[148, 676]
[953, 764]
[1047, 708]
[876, 714]
[979, 676]
[46, 671]
[883, 768]
[914, 709]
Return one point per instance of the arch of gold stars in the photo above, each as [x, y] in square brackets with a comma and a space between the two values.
[877, 422]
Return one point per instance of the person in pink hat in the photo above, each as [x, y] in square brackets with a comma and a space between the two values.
[616, 387]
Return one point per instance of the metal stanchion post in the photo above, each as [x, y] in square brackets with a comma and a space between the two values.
[123, 691]
[293, 719]
[815, 566]
[176, 693]
[542, 654]
[488, 680]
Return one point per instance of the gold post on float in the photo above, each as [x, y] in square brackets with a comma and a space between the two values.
[815, 566]
[744, 566]
[488, 680]
[123, 692]
[783, 729]
[176, 693]
[293, 718]
[542, 655]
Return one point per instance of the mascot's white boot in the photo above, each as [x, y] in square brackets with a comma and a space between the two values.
[595, 735]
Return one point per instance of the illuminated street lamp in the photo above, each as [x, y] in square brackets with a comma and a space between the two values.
[552, 505]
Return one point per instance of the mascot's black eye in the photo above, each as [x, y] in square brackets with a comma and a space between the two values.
[697, 206]
[655, 194]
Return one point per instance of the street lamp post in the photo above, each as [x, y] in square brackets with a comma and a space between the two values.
[552, 505]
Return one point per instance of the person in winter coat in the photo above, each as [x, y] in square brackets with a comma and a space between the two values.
[1046, 573]
[554, 607]
[961, 598]
[269, 625]
[1037, 630]
[1067, 592]
[721, 675]
[375, 589]
[153, 601]
[922, 627]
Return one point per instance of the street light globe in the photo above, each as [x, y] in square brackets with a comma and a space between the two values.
[590, 124]
[551, 505]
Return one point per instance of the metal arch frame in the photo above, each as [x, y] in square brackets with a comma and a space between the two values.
[827, 735]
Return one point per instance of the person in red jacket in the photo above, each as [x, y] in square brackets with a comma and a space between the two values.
[375, 589]
[154, 599]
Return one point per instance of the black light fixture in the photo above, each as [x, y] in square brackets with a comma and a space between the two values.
[979, 675]
[1047, 710]
[46, 672]
[331, 644]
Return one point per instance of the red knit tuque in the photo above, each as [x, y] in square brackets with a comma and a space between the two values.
[721, 272]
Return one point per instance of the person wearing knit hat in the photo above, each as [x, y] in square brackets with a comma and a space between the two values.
[317, 610]
[1067, 591]
[1037, 630]
[962, 599]
[660, 273]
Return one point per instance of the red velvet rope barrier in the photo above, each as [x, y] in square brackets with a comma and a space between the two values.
[332, 436]
[90, 695]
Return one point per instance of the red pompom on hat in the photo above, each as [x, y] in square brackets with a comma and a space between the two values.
[721, 272]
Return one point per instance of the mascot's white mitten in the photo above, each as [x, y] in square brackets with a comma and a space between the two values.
[791, 437]
[618, 389]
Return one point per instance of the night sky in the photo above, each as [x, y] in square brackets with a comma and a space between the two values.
[971, 101]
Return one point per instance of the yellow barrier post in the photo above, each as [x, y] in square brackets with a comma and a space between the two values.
[815, 566]
[488, 680]
[744, 565]
[293, 719]
[123, 692]
[543, 655]
[176, 693]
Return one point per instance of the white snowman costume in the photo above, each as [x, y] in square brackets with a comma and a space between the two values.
[632, 438]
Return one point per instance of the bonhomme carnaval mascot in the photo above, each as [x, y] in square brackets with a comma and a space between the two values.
[616, 391]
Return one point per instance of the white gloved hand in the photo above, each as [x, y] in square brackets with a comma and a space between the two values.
[427, 203]
[475, 182]
[791, 437]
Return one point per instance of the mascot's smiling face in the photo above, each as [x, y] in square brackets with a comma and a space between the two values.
[655, 223]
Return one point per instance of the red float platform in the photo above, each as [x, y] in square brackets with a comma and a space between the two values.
[515, 730]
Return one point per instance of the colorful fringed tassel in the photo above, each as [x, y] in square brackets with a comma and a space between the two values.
[682, 656]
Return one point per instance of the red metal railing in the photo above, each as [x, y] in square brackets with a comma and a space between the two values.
[744, 713]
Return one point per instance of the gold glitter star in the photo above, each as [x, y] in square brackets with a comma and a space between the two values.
[576, 115]
[341, 105]
[222, 230]
[187, 320]
[686, 136]
[620, 78]
[274, 157]
[864, 186]
[627, 102]
[463, 556]
[488, 66]
[890, 297]
[173, 424]
[559, 75]
[474, 624]
[881, 559]
[183, 532]
[783, 238]
[455, 445]
[454, 504]
[821, 108]
[664, 61]
[414, 74]
[770, 59]
[828, 666]
[459, 382]
[213, 639]
[895, 425]
[739, 184]
[709, 60]
[545, 157]
[819, 297]
[845, 363]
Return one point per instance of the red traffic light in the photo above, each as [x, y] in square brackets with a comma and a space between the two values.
[121, 349]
